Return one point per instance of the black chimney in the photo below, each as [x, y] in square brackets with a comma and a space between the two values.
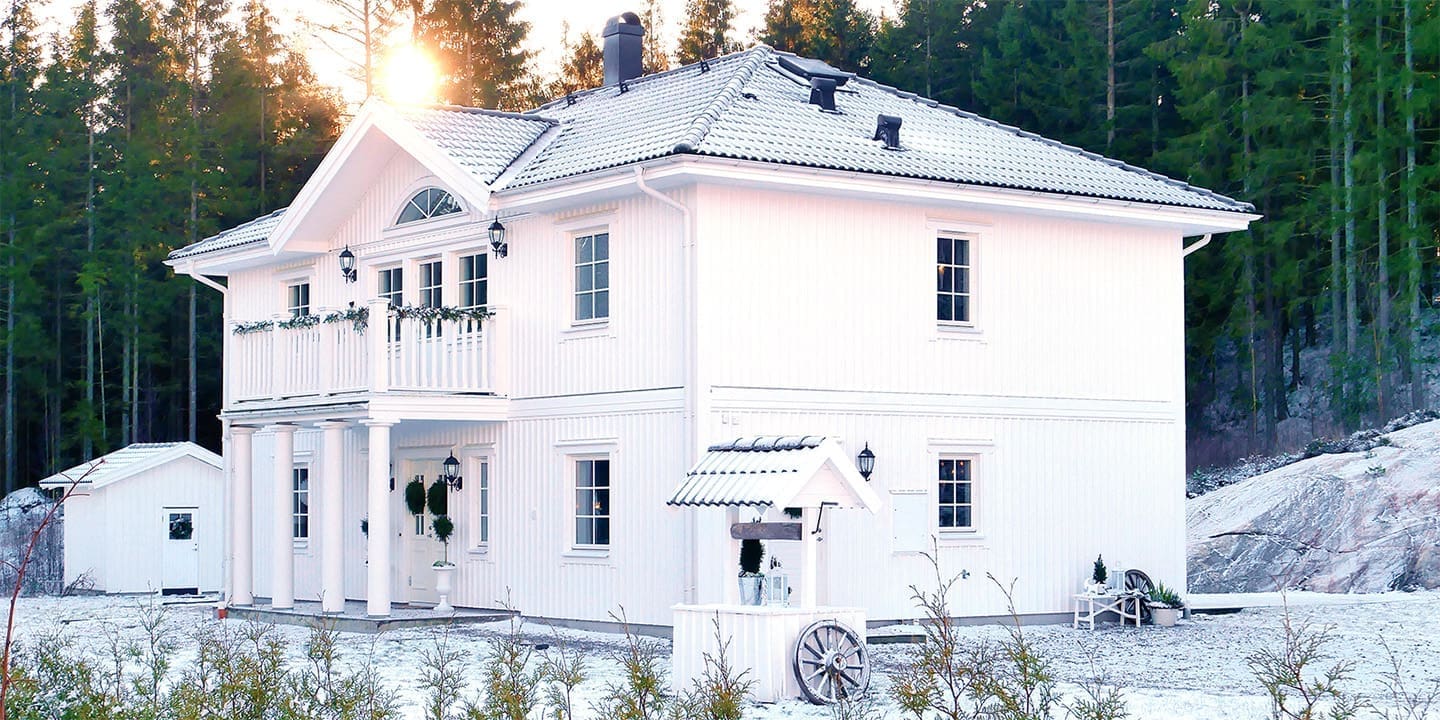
[623, 48]
[887, 130]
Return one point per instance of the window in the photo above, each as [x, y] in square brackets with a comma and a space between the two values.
[300, 503]
[952, 262]
[592, 502]
[474, 290]
[182, 526]
[430, 284]
[956, 495]
[426, 204]
[298, 299]
[392, 286]
[592, 277]
[482, 512]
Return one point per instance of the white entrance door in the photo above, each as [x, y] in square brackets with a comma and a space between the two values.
[418, 547]
[180, 555]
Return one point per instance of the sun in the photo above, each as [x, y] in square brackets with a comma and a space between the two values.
[409, 76]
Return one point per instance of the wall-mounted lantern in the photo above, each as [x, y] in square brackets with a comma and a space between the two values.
[498, 246]
[865, 462]
[347, 264]
[452, 473]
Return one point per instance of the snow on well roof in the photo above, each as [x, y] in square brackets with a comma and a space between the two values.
[128, 461]
[747, 106]
[770, 471]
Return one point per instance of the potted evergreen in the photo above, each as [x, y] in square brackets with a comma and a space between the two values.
[1099, 576]
[437, 498]
[752, 581]
[1165, 605]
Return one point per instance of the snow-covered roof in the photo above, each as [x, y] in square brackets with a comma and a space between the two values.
[128, 462]
[772, 471]
[750, 106]
[254, 231]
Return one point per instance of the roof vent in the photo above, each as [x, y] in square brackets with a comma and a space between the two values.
[822, 93]
[887, 129]
[624, 43]
[811, 69]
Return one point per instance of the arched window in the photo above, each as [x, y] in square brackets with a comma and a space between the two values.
[426, 204]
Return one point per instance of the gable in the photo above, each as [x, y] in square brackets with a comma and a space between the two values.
[129, 462]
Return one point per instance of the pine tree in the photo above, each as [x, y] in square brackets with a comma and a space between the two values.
[836, 31]
[479, 46]
[582, 65]
[654, 57]
[936, 47]
[707, 31]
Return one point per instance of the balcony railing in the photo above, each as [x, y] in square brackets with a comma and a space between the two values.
[377, 351]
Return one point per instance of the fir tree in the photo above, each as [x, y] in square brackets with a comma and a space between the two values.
[707, 31]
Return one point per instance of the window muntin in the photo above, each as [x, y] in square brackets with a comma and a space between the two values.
[592, 277]
[474, 283]
[431, 283]
[957, 494]
[300, 503]
[952, 263]
[297, 299]
[428, 203]
[592, 502]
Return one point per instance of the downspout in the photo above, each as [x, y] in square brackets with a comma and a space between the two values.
[227, 548]
[190, 270]
[692, 423]
[1192, 247]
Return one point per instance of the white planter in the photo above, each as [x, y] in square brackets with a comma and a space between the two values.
[443, 577]
[1165, 617]
[752, 589]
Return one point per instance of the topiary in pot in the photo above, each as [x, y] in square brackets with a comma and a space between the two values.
[438, 498]
[752, 581]
[1099, 575]
[415, 496]
[444, 529]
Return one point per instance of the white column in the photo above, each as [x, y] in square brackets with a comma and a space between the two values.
[242, 562]
[332, 543]
[377, 501]
[809, 557]
[282, 551]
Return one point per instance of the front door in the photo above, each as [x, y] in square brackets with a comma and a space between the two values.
[180, 554]
[418, 547]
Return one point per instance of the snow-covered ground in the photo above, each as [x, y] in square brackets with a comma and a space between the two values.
[1195, 670]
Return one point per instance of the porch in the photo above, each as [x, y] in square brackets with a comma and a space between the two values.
[362, 353]
[353, 618]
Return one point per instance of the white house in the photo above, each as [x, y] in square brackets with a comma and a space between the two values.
[690, 257]
[145, 518]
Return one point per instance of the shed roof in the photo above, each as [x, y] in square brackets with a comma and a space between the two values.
[128, 462]
[775, 471]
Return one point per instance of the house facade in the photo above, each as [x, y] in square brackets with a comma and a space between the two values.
[690, 257]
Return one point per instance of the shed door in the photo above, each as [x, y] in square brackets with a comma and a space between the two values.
[180, 559]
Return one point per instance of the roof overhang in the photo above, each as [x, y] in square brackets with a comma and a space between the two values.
[348, 171]
[767, 471]
[677, 170]
[94, 474]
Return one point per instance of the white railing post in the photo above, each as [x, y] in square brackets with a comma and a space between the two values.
[325, 356]
[280, 366]
[379, 345]
[497, 365]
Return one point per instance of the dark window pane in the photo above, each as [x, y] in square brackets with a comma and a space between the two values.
[943, 308]
[602, 246]
[602, 304]
[584, 307]
[584, 278]
[947, 516]
[484, 529]
[947, 493]
[584, 473]
[962, 470]
[411, 213]
[602, 473]
[584, 533]
[182, 526]
[962, 517]
[482, 263]
[584, 249]
[962, 308]
[946, 279]
[602, 502]
[584, 500]
[942, 253]
[602, 275]
[962, 493]
[602, 531]
[947, 470]
[962, 252]
[962, 280]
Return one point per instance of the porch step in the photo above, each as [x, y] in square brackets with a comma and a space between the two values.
[354, 619]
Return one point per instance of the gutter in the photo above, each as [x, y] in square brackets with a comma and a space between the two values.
[688, 319]
[1192, 247]
[190, 270]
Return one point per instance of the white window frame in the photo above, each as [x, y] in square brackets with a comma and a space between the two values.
[954, 504]
[298, 472]
[978, 453]
[575, 490]
[589, 449]
[415, 192]
[482, 281]
[432, 295]
[477, 466]
[575, 266]
[969, 267]
[381, 270]
[292, 308]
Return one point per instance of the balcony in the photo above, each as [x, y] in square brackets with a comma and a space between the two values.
[360, 354]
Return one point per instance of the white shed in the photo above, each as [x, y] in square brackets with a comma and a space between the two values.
[144, 518]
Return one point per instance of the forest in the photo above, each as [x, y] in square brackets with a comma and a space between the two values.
[149, 124]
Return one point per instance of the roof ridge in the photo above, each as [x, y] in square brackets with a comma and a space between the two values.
[1087, 154]
[477, 111]
[577, 95]
[700, 127]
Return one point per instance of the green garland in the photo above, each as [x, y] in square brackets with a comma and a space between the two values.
[359, 319]
[448, 314]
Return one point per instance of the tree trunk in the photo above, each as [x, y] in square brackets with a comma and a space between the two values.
[1337, 257]
[1109, 74]
[1352, 325]
[1414, 371]
[1382, 249]
[88, 448]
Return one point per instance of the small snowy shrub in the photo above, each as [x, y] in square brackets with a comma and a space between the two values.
[642, 695]
[442, 677]
[561, 670]
[720, 692]
[1297, 687]
[511, 689]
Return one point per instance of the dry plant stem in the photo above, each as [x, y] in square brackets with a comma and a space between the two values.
[20, 582]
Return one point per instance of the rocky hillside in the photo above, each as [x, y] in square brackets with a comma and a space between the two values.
[1353, 522]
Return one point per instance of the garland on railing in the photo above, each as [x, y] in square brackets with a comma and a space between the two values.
[359, 319]
[449, 314]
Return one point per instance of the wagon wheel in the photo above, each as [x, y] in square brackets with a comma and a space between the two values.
[831, 662]
[1138, 582]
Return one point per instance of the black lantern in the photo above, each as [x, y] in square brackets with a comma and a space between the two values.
[497, 239]
[347, 264]
[865, 462]
[452, 473]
